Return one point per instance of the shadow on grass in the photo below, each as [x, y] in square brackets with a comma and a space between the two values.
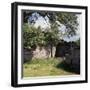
[68, 67]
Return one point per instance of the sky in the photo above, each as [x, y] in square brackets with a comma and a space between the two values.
[39, 20]
[44, 23]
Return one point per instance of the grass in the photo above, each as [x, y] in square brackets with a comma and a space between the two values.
[46, 67]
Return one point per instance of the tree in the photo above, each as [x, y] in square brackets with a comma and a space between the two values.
[66, 18]
[51, 36]
[34, 37]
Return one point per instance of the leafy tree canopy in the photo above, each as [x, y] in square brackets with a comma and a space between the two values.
[66, 18]
[32, 36]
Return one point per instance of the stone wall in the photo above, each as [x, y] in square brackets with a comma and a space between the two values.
[38, 52]
[74, 57]
[70, 52]
[41, 52]
[27, 54]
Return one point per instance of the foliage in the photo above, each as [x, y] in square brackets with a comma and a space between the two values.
[78, 42]
[66, 18]
[52, 35]
[35, 36]
[32, 36]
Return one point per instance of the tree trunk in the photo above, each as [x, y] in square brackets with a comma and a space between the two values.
[51, 51]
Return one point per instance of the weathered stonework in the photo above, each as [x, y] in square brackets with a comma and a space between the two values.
[70, 52]
[39, 52]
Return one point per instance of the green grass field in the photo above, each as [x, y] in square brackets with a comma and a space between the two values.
[46, 67]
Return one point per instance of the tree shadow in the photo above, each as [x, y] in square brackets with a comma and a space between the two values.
[68, 67]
